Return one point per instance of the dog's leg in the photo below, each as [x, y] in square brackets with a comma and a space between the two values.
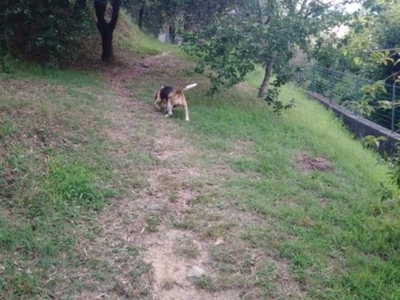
[157, 105]
[186, 113]
[169, 109]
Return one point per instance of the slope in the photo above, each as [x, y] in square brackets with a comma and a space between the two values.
[102, 197]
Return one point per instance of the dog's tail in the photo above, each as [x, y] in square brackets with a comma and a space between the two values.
[190, 86]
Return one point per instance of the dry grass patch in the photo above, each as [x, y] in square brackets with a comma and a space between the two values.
[187, 247]
[306, 164]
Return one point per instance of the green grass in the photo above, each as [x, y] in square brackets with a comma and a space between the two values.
[132, 39]
[55, 177]
[323, 223]
[38, 182]
[57, 174]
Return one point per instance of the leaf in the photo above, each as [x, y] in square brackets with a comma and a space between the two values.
[358, 61]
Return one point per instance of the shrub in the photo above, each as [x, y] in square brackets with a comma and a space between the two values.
[42, 30]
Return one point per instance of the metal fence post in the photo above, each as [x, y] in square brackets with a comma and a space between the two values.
[356, 92]
[393, 100]
[313, 79]
[330, 85]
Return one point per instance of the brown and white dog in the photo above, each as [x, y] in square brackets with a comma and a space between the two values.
[172, 97]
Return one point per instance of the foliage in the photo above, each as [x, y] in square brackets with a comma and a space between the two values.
[373, 142]
[41, 30]
[151, 15]
[375, 28]
[258, 32]
[327, 51]
[344, 89]
[369, 92]
[320, 85]
[361, 107]
[272, 98]
[389, 210]
[179, 15]
[224, 55]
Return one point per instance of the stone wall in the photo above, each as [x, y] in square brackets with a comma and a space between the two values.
[360, 126]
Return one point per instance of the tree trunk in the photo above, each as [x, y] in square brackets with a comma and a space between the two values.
[107, 46]
[141, 14]
[106, 29]
[172, 34]
[262, 92]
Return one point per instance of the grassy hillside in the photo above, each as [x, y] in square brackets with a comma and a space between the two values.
[320, 221]
[95, 184]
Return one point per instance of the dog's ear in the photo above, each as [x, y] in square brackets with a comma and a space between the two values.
[155, 95]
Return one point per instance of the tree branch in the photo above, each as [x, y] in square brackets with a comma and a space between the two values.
[312, 11]
[303, 6]
[271, 5]
[391, 75]
[115, 12]
[100, 9]
[259, 11]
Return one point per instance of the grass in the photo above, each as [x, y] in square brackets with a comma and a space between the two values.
[56, 177]
[133, 40]
[322, 223]
[312, 233]
[186, 247]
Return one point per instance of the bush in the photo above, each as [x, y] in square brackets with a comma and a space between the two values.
[42, 30]
[389, 208]
[319, 85]
[344, 90]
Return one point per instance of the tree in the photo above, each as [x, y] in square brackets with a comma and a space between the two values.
[328, 50]
[262, 33]
[376, 27]
[178, 15]
[105, 28]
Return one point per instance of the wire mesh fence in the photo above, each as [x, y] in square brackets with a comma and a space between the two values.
[347, 90]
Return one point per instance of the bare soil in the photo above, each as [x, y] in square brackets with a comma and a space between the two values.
[305, 164]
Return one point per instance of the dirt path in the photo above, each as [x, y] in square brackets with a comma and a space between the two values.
[166, 195]
[150, 257]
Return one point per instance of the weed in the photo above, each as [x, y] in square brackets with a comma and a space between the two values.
[231, 281]
[152, 222]
[139, 269]
[265, 278]
[205, 283]
[218, 230]
[72, 183]
[186, 247]
[6, 128]
[187, 223]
